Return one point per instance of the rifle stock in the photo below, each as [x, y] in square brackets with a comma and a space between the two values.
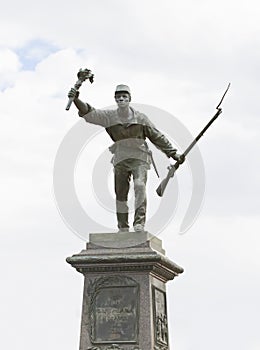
[161, 188]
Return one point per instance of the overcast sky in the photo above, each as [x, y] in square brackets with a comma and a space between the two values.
[177, 56]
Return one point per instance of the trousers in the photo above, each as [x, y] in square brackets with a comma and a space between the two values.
[123, 172]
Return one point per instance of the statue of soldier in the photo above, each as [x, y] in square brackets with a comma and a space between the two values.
[128, 129]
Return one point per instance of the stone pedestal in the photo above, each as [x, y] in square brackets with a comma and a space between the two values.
[124, 299]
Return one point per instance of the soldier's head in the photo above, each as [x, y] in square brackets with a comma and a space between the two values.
[122, 95]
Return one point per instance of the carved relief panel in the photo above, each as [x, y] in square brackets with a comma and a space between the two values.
[160, 319]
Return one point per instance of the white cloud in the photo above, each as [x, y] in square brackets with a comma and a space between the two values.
[9, 67]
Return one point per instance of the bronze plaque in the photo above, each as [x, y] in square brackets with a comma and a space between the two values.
[114, 313]
[160, 317]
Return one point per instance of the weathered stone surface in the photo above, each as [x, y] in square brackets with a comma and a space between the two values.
[124, 299]
[125, 240]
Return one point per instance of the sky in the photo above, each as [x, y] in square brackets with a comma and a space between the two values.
[175, 56]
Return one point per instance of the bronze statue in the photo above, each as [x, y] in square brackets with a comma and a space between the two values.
[128, 128]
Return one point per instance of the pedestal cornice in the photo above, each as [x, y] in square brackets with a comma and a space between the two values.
[138, 258]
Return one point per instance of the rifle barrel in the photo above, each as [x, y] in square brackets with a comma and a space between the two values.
[202, 132]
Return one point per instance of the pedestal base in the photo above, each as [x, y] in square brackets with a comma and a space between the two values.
[124, 299]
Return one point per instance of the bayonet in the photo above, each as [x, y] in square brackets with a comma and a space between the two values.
[172, 168]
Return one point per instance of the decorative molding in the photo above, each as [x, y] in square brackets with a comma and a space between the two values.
[158, 264]
[114, 347]
[116, 268]
[159, 271]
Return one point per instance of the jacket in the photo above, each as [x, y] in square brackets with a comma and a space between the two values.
[129, 137]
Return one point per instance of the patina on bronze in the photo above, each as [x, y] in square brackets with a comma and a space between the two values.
[160, 317]
[129, 130]
[114, 309]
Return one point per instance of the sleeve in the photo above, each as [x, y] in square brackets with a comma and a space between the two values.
[96, 116]
[158, 139]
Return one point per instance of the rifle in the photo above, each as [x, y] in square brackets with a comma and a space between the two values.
[82, 75]
[172, 168]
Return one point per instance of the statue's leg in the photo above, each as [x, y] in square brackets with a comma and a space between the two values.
[140, 179]
[122, 180]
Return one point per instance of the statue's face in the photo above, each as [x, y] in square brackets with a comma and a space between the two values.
[122, 99]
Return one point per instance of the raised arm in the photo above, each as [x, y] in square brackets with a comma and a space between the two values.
[82, 107]
[90, 114]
